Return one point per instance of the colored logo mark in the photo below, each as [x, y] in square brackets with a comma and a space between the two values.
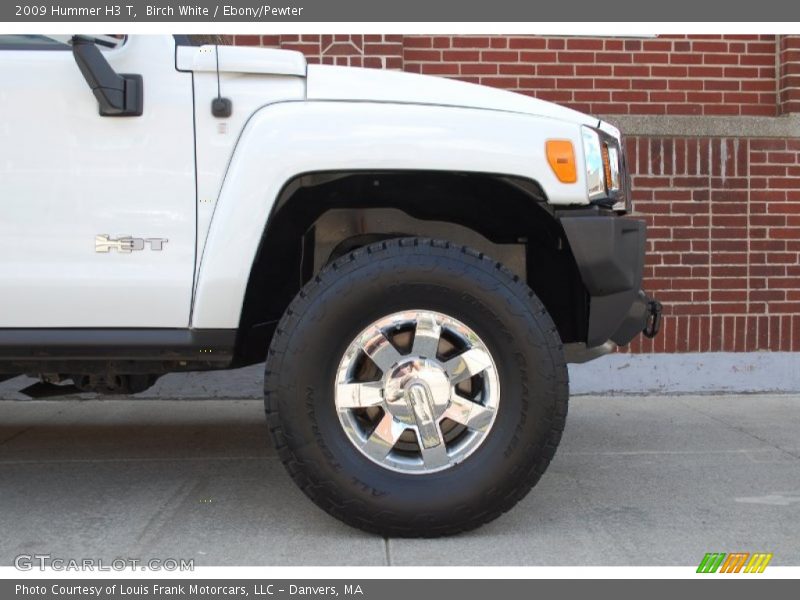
[736, 562]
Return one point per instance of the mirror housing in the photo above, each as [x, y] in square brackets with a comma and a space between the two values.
[119, 95]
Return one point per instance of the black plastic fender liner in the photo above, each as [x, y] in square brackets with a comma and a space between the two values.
[609, 251]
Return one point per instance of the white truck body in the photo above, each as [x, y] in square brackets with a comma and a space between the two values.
[290, 118]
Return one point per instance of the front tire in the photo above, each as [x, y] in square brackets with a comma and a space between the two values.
[416, 388]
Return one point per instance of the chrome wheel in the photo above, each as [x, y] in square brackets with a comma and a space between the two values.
[417, 392]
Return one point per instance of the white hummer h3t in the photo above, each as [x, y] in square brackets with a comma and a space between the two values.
[416, 259]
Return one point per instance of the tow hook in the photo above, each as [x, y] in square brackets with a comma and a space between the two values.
[653, 324]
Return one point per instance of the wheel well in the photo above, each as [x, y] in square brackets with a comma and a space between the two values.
[321, 216]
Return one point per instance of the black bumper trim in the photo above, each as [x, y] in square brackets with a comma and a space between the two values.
[609, 251]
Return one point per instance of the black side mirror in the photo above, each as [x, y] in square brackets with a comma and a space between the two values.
[119, 95]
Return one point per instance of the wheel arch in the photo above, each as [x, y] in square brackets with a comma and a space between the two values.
[321, 215]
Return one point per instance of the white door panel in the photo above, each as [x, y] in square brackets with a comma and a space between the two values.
[68, 174]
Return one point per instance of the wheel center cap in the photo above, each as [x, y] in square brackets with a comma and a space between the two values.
[417, 392]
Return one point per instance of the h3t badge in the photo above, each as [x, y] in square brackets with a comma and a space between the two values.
[127, 244]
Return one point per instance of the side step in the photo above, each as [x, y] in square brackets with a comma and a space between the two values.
[205, 345]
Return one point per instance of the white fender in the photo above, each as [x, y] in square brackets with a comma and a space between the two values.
[287, 139]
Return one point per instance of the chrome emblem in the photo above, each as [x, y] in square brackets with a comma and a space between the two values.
[126, 243]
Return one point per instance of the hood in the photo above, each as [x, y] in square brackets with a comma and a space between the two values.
[375, 85]
[325, 82]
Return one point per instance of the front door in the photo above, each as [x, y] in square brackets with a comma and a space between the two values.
[97, 213]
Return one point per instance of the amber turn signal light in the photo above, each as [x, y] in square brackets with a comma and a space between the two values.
[561, 156]
[606, 166]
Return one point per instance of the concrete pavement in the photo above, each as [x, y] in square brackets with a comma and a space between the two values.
[615, 374]
[656, 480]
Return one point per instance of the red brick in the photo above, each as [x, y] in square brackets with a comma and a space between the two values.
[593, 70]
[657, 45]
[417, 42]
[537, 82]
[446, 55]
[247, 40]
[499, 56]
[517, 69]
[709, 46]
[538, 57]
[686, 59]
[558, 70]
[423, 55]
[476, 69]
[757, 59]
[470, 42]
[584, 44]
[721, 85]
[439, 69]
[722, 59]
[527, 43]
[631, 71]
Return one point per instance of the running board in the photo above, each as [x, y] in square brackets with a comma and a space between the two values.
[213, 346]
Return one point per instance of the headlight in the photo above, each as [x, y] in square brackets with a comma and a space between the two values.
[614, 183]
[605, 170]
[595, 183]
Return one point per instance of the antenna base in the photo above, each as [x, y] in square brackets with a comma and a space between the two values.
[221, 107]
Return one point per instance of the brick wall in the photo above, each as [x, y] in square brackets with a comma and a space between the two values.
[723, 219]
[723, 212]
[678, 75]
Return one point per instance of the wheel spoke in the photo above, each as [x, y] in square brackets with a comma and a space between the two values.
[359, 395]
[467, 365]
[426, 337]
[434, 451]
[468, 413]
[383, 439]
[380, 349]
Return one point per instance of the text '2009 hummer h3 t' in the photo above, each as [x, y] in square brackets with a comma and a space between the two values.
[415, 258]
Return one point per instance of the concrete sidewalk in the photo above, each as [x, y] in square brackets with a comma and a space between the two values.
[637, 480]
[615, 374]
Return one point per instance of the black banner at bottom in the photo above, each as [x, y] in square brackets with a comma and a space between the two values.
[390, 589]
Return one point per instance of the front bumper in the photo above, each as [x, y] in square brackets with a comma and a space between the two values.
[609, 252]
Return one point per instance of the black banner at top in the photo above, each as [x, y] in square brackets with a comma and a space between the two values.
[287, 11]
